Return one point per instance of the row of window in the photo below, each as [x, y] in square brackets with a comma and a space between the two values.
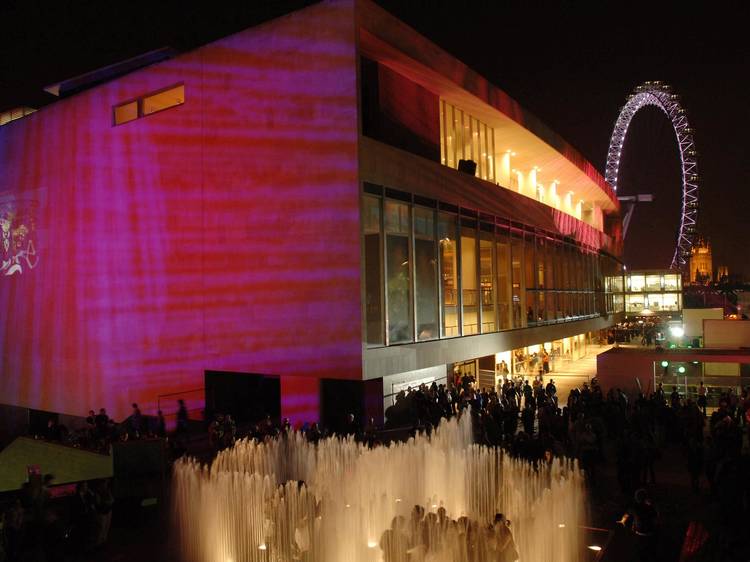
[431, 272]
[656, 302]
[463, 137]
[638, 283]
[15, 113]
[148, 104]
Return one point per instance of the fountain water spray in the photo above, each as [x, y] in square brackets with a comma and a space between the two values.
[286, 499]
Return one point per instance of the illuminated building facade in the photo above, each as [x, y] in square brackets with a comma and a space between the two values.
[701, 263]
[291, 201]
[643, 293]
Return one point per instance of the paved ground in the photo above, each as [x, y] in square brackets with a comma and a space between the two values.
[573, 374]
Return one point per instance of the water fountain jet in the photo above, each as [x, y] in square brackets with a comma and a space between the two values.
[286, 499]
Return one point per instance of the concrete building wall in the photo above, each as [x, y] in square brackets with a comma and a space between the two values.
[220, 234]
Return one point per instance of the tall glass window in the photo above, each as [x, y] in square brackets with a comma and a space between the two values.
[447, 236]
[398, 281]
[373, 270]
[463, 137]
[530, 279]
[487, 280]
[519, 297]
[540, 265]
[549, 265]
[549, 307]
[425, 274]
[504, 319]
[469, 290]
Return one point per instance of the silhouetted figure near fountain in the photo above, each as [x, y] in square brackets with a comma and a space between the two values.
[394, 542]
[505, 545]
[642, 517]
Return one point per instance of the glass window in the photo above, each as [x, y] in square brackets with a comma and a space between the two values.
[163, 100]
[671, 302]
[655, 302]
[653, 282]
[469, 292]
[447, 233]
[540, 247]
[373, 270]
[619, 302]
[503, 282]
[475, 152]
[425, 274]
[634, 303]
[672, 282]
[637, 283]
[443, 132]
[549, 307]
[398, 283]
[125, 112]
[530, 275]
[396, 217]
[463, 137]
[549, 265]
[487, 281]
[616, 284]
[519, 297]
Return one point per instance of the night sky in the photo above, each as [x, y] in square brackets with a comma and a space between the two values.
[570, 67]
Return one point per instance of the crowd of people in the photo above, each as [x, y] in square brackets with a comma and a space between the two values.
[645, 332]
[36, 526]
[522, 415]
[435, 536]
[99, 431]
[528, 420]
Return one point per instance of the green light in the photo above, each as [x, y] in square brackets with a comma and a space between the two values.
[665, 364]
[672, 346]
[680, 369]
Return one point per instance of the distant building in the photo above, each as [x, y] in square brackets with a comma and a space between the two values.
[722, 272]
[647, 293]
[701, 263]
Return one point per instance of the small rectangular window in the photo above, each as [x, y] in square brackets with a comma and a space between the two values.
[163, 100]
[126, 112]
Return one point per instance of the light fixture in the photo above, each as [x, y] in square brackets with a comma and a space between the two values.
[681, 369]
[665, 364]
[594, 547]
[677, 331]
[371, 544]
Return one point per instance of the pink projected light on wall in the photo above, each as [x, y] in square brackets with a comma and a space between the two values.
[221, 234]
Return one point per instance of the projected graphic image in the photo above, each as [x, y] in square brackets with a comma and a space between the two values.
[18, 231]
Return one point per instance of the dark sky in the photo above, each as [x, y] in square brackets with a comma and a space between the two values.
[572, 67]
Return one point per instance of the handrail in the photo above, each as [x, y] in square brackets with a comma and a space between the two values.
[416, 387]
[178, 393]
